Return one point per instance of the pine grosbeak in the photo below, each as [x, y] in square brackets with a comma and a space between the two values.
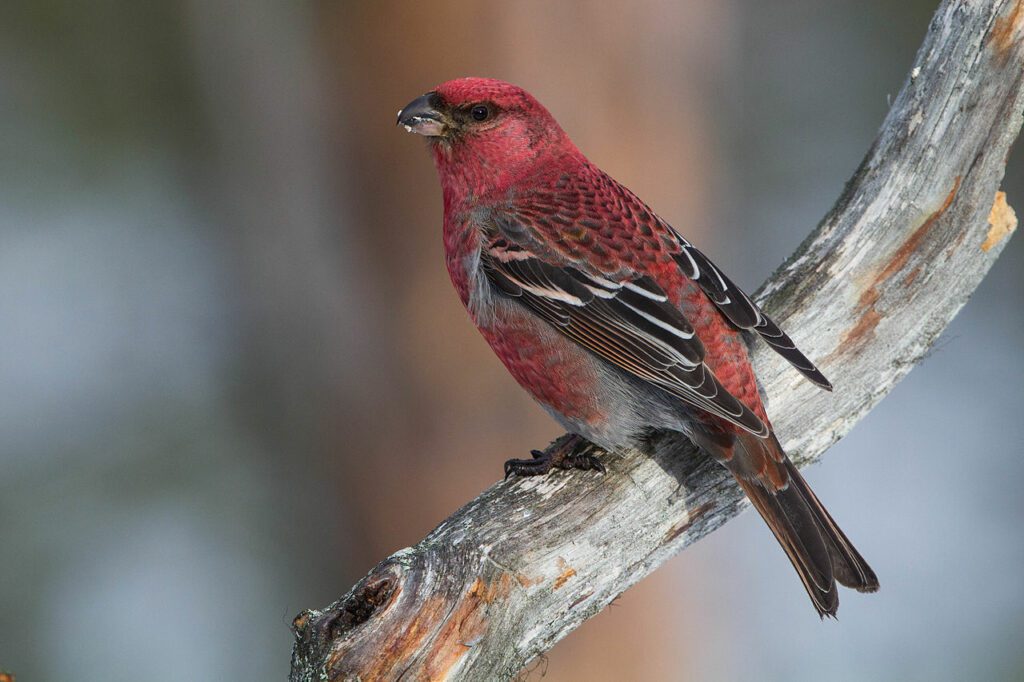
[611, 320]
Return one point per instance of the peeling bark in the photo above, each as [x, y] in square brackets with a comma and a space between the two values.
[1003, 222]
[867, 294]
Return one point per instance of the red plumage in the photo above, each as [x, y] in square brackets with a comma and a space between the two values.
[607, 316]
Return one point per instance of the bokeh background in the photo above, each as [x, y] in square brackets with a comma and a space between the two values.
[234, 376]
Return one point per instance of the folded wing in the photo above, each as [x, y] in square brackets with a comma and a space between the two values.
[626, 321]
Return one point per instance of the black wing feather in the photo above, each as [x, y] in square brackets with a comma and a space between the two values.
[741, 311]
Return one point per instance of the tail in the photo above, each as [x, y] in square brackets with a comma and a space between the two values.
[819, 551]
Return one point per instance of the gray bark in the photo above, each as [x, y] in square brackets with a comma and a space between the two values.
[866, 295]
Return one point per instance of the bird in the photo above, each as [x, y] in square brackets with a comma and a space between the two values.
[609, 318]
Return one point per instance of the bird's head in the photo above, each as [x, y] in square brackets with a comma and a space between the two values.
[485, 133]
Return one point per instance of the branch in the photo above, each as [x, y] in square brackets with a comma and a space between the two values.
[867, 294]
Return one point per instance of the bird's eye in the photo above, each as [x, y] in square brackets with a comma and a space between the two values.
[479, 112]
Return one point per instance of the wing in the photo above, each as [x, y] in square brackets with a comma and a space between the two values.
[627, 321]
[741, 311]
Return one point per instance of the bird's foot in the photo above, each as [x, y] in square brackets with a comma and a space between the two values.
[567, 452]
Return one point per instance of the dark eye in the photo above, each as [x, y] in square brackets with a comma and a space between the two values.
[479, 112]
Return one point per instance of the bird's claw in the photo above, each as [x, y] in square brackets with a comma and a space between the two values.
[584, 462]
[571, 452]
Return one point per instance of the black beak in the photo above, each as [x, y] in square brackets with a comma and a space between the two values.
[421, 116]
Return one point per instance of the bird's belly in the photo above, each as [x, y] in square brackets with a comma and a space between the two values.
[549, 366]
[579, 390]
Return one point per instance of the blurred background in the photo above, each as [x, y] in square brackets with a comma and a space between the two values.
[234, 375]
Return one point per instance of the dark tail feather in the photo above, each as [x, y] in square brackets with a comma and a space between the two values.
[818, 550]
[848, 565]
[797, 530]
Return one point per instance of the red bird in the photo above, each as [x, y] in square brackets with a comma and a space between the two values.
[610, 319]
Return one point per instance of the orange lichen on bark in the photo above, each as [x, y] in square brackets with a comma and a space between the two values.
[863, 330]
[465, 626]
[496, 589]
[440, 635]
[869, 316]
[1002, 221]
[567, 572]
[911, 276]
[1006, 29]
[399, 648]
[526, 581]
[907, 249]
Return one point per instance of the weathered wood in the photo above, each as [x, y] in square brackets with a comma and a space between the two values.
[866, 295]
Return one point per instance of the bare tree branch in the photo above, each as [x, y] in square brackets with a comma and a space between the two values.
[867, 294]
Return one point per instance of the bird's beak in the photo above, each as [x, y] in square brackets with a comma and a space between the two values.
[421, 116]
